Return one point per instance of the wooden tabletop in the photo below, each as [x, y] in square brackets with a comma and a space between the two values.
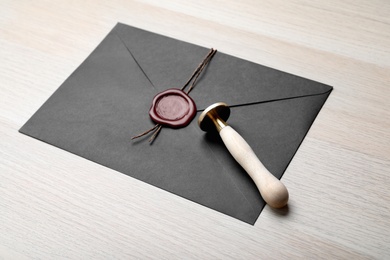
[56, 205]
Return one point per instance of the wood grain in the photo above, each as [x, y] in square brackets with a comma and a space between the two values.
[55, 205]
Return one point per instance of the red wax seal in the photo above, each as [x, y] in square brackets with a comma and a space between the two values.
[173, 108]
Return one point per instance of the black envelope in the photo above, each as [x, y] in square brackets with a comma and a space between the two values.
[105, 102]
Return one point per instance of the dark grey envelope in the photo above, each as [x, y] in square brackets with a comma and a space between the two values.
[105, 102]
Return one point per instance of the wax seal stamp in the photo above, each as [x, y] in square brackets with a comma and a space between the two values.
[173, 108]
[271, 189]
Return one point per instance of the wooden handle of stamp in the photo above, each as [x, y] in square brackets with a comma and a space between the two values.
[271, 189]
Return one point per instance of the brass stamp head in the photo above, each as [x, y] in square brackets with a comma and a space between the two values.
[214, 117]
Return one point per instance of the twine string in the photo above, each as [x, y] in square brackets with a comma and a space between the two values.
[195, 75]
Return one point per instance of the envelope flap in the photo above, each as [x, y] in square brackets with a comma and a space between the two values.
[169, 63]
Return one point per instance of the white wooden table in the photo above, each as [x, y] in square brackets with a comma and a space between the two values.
[55, 205]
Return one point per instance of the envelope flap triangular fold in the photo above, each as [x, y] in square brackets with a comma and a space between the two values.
[169, 62]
